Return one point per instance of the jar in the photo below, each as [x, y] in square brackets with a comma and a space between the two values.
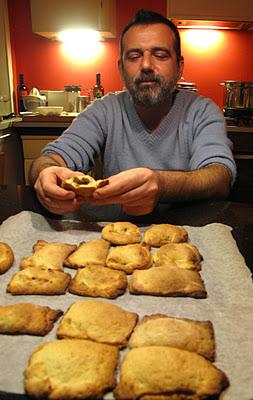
[72, 92]
[81, 103]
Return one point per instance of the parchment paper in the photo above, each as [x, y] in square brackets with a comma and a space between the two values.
[229, 305]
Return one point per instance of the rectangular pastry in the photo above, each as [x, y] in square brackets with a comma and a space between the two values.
[38, 281]
[164, 281]
[163, 371]
[48, 255]
[71, 369]
[96, 281]
[27, 318]
[93, 252]
[186, 334]
[99, 321]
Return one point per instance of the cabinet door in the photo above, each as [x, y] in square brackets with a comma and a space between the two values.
[49, 18]
[225, 10]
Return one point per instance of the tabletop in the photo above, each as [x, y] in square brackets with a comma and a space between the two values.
[239, 216]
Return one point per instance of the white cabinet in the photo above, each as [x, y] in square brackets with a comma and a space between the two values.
[51, 17]
[220, 10]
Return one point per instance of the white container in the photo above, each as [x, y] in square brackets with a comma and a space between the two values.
[32, 102]
[49, 110]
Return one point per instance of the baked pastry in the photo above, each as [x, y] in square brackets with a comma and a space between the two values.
[99, 321]
[48, 255]
[96, 281]
[83, 185]
[129, 257]
[184, 255]
[27, 318]
[186, 334]
[6, 257]
[71, 369]
[161, 370]
[93, 252]
[121, 233]
[164, 281]
[39, 281]
[161, 234]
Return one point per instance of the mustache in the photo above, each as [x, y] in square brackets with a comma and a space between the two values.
[147, 77]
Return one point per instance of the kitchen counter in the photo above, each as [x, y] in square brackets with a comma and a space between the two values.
[40, 121]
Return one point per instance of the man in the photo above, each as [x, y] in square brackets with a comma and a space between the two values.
[158, 144]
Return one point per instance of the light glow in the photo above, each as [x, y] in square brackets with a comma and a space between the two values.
[81, 44]
[202, 39]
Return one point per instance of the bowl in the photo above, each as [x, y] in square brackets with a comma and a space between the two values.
[31, 102]
[49, 110]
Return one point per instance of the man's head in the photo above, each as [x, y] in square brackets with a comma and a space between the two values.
[150, 62]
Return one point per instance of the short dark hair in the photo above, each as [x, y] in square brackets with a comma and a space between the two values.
[146, 17]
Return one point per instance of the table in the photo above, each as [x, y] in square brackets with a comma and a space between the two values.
[16, 198]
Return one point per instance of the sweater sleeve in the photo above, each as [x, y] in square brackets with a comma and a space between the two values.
[84, 139]
[209, 141]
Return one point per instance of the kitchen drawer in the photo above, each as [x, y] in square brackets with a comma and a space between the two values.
[32, 145]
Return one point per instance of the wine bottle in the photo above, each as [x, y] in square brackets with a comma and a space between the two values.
[98, 90]
[22, 91]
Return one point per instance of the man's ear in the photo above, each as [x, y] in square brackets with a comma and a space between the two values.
[181, 67]
[120, 68]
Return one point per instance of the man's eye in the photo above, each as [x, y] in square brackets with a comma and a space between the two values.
[133, 56]
[161, 54]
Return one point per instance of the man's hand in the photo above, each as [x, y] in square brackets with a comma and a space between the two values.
[51, 195]
[135, 189]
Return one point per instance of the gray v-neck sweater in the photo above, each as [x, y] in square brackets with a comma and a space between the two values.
[191, 136]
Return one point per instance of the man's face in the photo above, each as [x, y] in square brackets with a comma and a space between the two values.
[149, 65]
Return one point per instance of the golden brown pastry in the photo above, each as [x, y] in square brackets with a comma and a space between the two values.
[48, 255]
[96, 281]
[184, 255]
[182, 333]
[6, 257]
[39, 281]
[93, 252]
[121, 233]
[70, 370]
[129, 257]
[99, 321]
[161, 234]
[164, 281]
[83, 185]
[27, 318]
[164, 370]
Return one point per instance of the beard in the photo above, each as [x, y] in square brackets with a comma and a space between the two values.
[149, 96]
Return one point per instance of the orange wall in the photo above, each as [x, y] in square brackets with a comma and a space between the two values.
[45, 67]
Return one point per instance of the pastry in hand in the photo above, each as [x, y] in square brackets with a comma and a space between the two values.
[184, 255]
[83, 185]
[164, 372]
[99, 321]
[27, 318]
[71, 369]
[121, 233]
[167, 281]
[93, 252]
[182, 333]
[38, 281]
[129, 257]
[6, 257]
[97, 281]
[161, 234]
[48, 255]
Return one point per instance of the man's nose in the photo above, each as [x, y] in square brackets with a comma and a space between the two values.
[147, 61]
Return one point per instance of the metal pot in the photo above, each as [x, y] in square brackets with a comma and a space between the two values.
[238, 96]
[187, 86]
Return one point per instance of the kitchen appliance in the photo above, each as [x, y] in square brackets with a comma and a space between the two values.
[238, 99]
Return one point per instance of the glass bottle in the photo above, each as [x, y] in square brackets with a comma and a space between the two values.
[98, 90]
[22, 91]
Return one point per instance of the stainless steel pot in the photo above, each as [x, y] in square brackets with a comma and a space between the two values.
[238, 96]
